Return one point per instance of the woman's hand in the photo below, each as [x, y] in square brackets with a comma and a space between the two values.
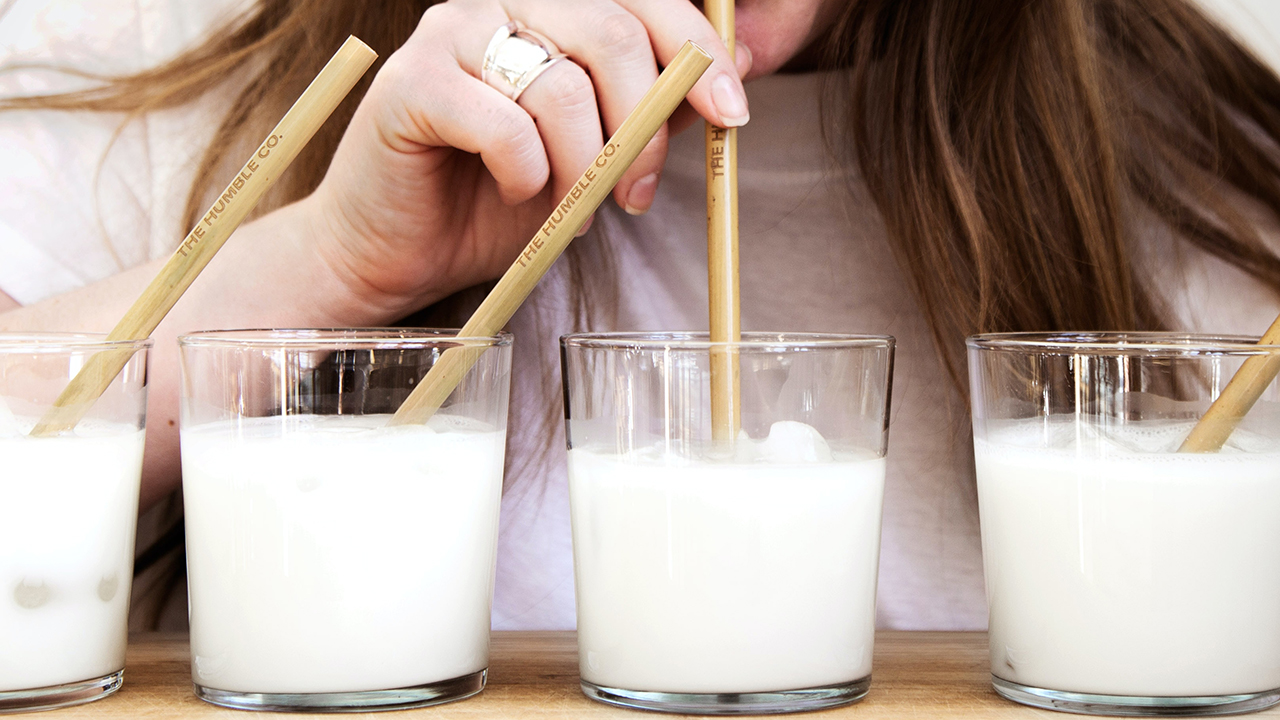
[440, 179]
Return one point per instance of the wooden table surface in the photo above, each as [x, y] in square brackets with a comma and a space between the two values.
[535, 675]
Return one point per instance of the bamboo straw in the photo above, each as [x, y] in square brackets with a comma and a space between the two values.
[557, 232]
[257, 176]
[1237, 398]
[722, 254]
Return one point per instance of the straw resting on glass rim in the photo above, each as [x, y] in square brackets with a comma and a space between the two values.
[1237, 398]
[244, 191]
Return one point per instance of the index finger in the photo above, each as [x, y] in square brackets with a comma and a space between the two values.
[718, 96]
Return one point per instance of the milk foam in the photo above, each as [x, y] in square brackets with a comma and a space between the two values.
[332, 554]
[1115, 565]
[68, 507]
[749, 574]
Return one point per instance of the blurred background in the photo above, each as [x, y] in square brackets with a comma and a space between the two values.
[1255, 21]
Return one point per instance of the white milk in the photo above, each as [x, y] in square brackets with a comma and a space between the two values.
[334, 554]
[750, 575]
[1120, 567]
[68, 507]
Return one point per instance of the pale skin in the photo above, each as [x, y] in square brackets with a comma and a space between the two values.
[438, 183]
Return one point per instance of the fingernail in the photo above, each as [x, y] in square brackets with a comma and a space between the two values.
[641, 195]
[585, 226]
[742, 58]
[731, 103]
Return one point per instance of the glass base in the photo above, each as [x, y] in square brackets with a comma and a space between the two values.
[362, 701]
[1135, 705]
[762, 703]
[59, 696]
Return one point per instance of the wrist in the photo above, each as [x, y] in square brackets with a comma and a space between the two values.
[342, 292]
[271, 274]
[377, 278]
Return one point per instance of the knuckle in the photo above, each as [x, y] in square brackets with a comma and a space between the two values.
[509, 130]
[438, 16]
[394, 71]
[404, 72]
[568, 89]
[514, 138]
[621, 32]
[451, 17]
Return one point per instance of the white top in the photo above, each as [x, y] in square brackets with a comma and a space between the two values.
[64, 223]
[813, 258]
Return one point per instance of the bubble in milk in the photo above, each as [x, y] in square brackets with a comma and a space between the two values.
[1105, 435]
[1247, 441]
[788, 442]
[1113, 437]
[1139, 437]
[31, 594]
[307, 483]
[107, 587]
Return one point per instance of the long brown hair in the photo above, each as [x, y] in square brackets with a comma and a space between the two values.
[1012, 147]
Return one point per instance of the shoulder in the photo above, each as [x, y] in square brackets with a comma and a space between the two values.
[79, 193]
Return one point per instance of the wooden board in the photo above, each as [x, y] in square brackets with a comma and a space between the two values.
[535, 675]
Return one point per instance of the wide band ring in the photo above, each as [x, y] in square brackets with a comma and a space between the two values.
[516, 56]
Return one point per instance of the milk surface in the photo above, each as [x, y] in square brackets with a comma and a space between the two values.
[747, 574]
[333, 554]
[68, 509]
[1117, 566]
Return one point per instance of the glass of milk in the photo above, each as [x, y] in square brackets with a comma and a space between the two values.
[726, 577]
[1124, 577]
[333, 562]
[68, 510]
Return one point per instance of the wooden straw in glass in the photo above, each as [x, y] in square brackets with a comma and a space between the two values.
[722, 254]
[557, 232]
[264, 167]
[1237, 398]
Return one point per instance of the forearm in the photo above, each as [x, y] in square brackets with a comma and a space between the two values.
[264, 276]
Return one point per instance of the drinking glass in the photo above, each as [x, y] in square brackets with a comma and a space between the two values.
[726, 576]
[335, 562]
[1123, 576]
[68, 512]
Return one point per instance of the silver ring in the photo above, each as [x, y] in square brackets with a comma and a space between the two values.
[516, 56]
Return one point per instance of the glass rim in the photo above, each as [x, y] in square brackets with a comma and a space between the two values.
[363, 337]
[67, 341]
[1147, 342]
[702, 340]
